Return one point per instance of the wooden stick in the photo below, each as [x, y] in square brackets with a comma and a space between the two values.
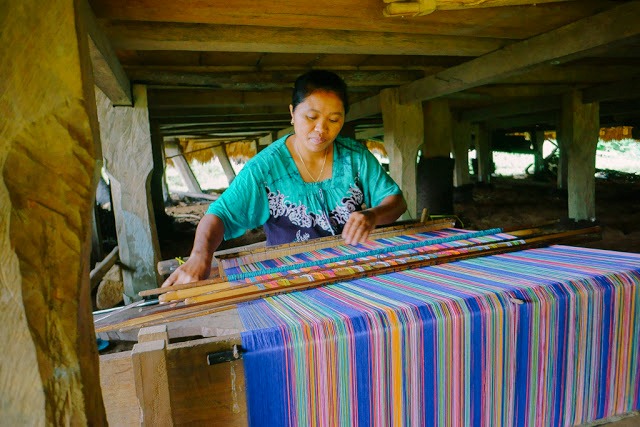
[332, 241]
[228, 299]
[101, 268]
[253, 292]
[268, 253]
[206, 285]
[222, 286]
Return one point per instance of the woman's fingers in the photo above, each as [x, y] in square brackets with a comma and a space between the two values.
[358, 227]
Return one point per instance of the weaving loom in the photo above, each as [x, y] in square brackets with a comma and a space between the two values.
[544, 336]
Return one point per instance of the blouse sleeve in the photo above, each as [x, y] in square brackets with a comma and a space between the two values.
[244, 205]
[376, 182]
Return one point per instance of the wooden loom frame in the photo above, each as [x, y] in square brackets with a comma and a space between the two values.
[172, 384]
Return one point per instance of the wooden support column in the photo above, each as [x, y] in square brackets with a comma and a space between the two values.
[484, 155]
[461, 144]
[158, 185]
[49, 156]
[435, 166]
[129, 162]
[149, 361]
[563, 134]
[223, 158]
[403, 134]
[537, 140]
[173, 151]
[583, 120]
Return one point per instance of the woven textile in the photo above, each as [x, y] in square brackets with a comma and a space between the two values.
[536, 337]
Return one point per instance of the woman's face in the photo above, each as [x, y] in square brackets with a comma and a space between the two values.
[318, 120]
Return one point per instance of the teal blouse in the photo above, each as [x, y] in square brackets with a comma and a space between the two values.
[269, 191]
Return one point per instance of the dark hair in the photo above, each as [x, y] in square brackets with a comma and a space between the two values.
[314, 80]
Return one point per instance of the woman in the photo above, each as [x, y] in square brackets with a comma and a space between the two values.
[308, 184]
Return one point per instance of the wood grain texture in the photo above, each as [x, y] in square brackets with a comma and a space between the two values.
[48, 374]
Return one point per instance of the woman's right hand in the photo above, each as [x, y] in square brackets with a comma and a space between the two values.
[194, 269]
[198, 266]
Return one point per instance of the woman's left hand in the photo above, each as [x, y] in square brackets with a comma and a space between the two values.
[358, 226]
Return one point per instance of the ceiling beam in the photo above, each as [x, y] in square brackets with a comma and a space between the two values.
[424, 7]
[515, 108]
[222, 120]
[614, 25]
[108, 73]
[230, 38]
[204, 112]
[264, 80]
[174, 98]
[609, 92]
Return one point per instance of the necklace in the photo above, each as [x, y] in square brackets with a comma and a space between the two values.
[295, 144]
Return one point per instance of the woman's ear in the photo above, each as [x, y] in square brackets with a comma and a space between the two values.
[291, 111]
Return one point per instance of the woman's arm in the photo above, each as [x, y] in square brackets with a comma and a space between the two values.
[361, 223]
[209, 235]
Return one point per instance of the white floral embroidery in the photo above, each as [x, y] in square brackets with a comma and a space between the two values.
[349, 204]
[297, 214]
[302, 237]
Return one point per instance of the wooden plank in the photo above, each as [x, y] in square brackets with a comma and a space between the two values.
[236, 38]
[152, 385]
[571, 41]
[154, 333]
[118, 389]
[203, 394]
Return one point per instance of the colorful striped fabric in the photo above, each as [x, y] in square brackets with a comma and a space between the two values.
[540, 337]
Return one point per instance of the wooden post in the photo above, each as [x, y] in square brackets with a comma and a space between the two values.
[484, 155]
[173, 150]
[564, 133]
[149, 361]
[128, 158]
[537, 140]
[49, 151]
[461, 144]
[435, 167]
[221, 154]
[584, 122]
[403, 134]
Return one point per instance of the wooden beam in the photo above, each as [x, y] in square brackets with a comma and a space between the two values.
[260, 80]
[405, 8]
[549, 118]
[108, 73]
[618, 90]
[526, 106]
[216, 98]
[177, 112]
[365, 108]
[614, 25]
[238, 38]
[177, 121]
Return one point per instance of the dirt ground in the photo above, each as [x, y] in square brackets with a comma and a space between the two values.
[506, 202]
